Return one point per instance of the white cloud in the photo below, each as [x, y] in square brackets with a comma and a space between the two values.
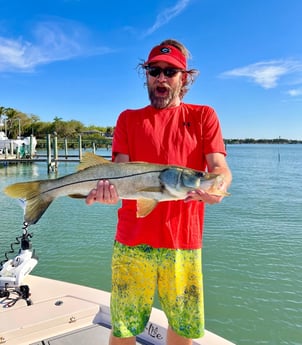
[268, 73]
[166, 15]
[53, 40]
[295, 92]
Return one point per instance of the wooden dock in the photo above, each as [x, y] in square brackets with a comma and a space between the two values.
[51, 158]
[41, 158]
[37, 159]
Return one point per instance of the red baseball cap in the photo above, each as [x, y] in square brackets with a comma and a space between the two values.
[169, 54]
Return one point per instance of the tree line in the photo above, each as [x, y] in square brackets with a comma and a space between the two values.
[262, 141]
[16, 123]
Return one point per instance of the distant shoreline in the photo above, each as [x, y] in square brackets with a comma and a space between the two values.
[262, 141]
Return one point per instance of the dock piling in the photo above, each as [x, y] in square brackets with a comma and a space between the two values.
[80, 148]
[48, 153]
[52, 156]
[66, 148]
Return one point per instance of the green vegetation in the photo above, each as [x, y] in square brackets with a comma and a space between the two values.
[262, 141]
[15, 123]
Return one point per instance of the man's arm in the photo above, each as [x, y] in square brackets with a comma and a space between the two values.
[217, 164]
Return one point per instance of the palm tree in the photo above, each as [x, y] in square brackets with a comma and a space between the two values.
[14, 122]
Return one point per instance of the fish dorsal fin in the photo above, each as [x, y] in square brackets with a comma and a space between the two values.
[90, 159]
[144, 207]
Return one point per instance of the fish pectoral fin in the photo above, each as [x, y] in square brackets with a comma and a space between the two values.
[90, 159]
[144, 207]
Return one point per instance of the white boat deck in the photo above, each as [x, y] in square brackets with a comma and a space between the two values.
[64, 313]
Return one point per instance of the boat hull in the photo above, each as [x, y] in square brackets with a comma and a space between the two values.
[65, 313]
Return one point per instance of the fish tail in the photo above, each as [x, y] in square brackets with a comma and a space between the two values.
[36, 202]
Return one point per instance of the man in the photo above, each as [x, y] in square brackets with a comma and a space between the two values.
[163, 249]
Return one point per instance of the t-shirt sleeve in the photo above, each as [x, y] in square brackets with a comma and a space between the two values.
[120, 137]
[212, 135]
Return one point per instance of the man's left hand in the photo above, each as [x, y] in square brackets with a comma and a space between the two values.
[201, 195]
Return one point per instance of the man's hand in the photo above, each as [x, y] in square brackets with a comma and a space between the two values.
[201, 195]
[104, 193]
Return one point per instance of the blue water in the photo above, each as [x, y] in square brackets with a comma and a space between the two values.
[252, 243]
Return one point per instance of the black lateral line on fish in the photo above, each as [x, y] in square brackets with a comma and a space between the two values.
[97, 179]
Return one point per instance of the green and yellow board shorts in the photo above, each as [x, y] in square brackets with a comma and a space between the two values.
[137, 271]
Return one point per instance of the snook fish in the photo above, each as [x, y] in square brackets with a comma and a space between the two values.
[147, 183]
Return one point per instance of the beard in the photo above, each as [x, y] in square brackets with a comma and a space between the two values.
[163, 95]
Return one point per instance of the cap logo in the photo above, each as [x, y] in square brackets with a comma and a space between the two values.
[169, 54]
[165, 50]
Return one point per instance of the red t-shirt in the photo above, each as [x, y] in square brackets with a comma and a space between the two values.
[180, 135]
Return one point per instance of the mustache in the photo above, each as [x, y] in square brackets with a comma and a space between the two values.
[159, 84]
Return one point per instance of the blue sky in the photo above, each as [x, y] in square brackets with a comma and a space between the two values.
[76, 59]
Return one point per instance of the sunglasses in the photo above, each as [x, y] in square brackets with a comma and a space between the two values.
[168, 72]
